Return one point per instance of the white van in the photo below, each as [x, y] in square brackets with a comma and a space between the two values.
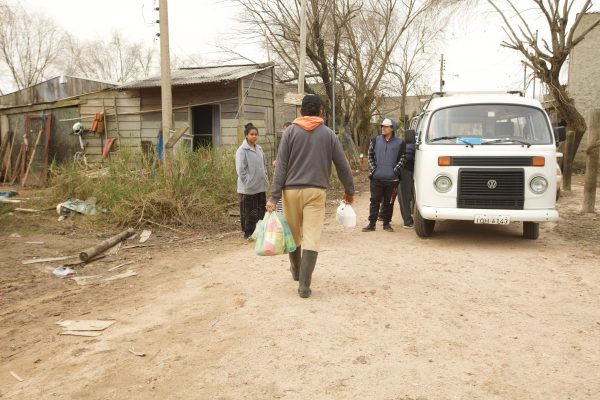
[486, 158]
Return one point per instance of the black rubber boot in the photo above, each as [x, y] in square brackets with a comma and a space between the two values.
[309, 259]
[295, 259]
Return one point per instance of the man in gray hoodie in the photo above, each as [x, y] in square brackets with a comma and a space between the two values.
[301, 177]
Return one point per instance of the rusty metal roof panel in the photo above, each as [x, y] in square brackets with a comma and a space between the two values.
[199, 75]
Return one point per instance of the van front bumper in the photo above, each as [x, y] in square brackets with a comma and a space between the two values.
[469, 214]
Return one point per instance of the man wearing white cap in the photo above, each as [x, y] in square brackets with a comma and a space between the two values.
[384, 167]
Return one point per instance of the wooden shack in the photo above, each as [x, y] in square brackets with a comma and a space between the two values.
[215, 101]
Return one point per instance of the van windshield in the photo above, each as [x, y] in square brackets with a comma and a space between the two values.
[489, 124]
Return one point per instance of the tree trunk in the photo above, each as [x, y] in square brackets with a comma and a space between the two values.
[575, 122]
[350, 148]
[567, 161]
[591, 165]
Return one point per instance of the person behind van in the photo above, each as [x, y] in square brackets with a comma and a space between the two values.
[384, 167]
[252, 183]
[406, 185]
[302, 173]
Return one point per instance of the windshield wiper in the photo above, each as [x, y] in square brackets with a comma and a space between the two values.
[451, 138]
[507, 140]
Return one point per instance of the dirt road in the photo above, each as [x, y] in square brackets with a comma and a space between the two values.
[475, 312]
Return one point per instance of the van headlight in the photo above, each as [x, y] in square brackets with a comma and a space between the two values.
[538, 184]
[442, 184]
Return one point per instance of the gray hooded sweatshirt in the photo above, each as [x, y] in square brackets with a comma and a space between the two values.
[251, 168]
[306, 152]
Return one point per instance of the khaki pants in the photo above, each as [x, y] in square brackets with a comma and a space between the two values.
[304, 211]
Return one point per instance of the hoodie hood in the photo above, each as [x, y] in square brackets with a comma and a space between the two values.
[309, 123]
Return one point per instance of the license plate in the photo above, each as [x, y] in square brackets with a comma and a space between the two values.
[495, 219]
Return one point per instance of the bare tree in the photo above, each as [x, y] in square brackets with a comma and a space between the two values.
[353, 40]
[30, 43]
[415, 55]
[116, 60]
[546, 57]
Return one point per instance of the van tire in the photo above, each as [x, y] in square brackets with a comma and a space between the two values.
[423, 227]
[531, 230]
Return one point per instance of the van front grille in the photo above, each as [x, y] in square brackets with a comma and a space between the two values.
[491, 188]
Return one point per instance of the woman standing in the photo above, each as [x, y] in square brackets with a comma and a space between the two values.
[252, 182]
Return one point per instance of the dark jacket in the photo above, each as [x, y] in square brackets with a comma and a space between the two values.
[372, 156]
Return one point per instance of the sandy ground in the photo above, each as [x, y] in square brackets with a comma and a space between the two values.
[475, 312]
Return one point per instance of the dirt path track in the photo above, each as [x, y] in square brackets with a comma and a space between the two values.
[475, 312]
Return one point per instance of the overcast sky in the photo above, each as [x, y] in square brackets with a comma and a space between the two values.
[474, 59]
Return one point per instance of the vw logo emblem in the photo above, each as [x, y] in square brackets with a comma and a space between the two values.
[492, 184]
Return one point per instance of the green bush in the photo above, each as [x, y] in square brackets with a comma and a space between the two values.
[196, 195]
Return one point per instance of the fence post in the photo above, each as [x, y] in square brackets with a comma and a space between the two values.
[591, 163]
[568, 160]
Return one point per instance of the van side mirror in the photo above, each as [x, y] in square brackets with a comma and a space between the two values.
[410, 136]
[560, 134]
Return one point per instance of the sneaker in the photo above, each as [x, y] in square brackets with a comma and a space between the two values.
[369, 228]
[408, 226]
[388, 228]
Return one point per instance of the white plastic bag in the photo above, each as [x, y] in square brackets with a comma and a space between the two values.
[345, 215]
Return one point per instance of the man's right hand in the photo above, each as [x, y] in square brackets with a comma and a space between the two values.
[348, 198]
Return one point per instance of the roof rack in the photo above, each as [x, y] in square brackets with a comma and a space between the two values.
[519, 92]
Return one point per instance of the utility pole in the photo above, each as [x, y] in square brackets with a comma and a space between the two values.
[302, 60]
[533, 72]
[524, 79]
[442, 73]
[165, 82]
[333, 95]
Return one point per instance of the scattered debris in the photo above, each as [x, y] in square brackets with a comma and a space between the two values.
[145, 235]
[85, 324]
[63, 272]
[12, 201]
[120, 276]
[135, 353]
[17, 377]
[98, 279]
[87, 280]
[43, 260]
[87, 207]
[14, 235]
[115, 249]
[29, 210]
[105, 244]
[34, 242]
[10, 193]
[120, 265]
[80, 333]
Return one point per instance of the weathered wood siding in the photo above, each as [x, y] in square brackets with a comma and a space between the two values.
[184, 98]
[257, 107]
[123, 121]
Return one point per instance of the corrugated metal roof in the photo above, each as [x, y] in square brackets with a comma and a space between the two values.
[194, 76]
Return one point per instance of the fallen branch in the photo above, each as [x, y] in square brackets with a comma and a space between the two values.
[89, 253]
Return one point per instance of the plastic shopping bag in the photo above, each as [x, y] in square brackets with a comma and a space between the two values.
[345, 215]
[273, 236]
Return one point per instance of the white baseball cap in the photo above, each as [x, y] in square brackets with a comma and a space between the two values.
[387, 122]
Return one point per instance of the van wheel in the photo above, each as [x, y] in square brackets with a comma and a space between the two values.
[423, 227]
[531, 230]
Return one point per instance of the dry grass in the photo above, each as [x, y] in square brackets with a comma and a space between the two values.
[196, 196]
